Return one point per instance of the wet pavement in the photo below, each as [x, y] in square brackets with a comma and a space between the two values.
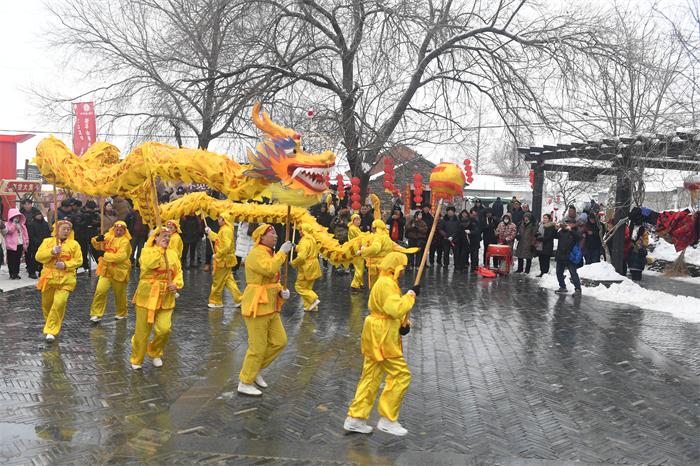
[503, 373]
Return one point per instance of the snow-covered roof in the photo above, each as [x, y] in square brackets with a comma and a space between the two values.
[496, 182]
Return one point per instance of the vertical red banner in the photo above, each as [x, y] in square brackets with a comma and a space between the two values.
[84, 129]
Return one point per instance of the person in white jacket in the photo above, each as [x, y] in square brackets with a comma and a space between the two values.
[244, 242]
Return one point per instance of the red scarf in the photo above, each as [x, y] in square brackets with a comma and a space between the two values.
[395, 231]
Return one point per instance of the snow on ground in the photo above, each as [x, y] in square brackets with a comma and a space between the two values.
[599, 271]
[693, 280]
[665, 251]
[683, 307]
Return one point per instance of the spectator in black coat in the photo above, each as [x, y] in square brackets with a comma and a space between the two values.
[395, 224]
[637, 259]
[497, 208]
[517, 213]
[488, 230]
[545, 242]
[138, 232]
[88, 223]
[568, 238]
[192, 232]
[38, 230]
[366, 218]
[473, 231]
[323, 217]
[593, 245]
[28, 210]
[448, 229]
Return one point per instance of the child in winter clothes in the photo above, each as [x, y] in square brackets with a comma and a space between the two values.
[636, 259]
[16, 241]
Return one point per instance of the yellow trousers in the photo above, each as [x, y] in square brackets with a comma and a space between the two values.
[99, 302]
[222, 278]
[161, 332]
[372, 275]
[53, 306]
[305, 288]
[359, 278]
[398, 377]
[266, 339]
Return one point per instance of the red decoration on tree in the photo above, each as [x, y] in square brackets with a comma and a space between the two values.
[418, 189]
[355, 196]
[468, 171]
[341, 186]
[389, 175]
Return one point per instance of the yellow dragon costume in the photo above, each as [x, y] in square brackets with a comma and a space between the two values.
[113, 269]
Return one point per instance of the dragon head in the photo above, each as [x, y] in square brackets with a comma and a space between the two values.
[281, 158]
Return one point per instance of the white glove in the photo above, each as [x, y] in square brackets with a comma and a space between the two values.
[207, 230]
[56, 250]
[469, 232]
[286, 247]
[60, 265]
[284, 294]
[450, 238]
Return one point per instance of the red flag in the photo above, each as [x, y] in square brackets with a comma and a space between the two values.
[84, 129]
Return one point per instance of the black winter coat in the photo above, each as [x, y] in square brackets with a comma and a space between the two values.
[191, 229]
[567, 240]
[88, 225]
[637, 258]
[546, 239]
[488, 230]
[38, 231]
[449, 228]
[497, 208]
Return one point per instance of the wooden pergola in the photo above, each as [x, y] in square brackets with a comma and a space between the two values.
[585, 161]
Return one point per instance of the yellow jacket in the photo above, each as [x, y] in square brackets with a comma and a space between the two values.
[380, 247]
[176, 244]
[71, 256]
[115, 263]
[307, 259]
[353, 231]
[152, 292]
[224, 247]
[388, 307]
[261, 294]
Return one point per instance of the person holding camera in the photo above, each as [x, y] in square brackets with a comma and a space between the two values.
[568, 254]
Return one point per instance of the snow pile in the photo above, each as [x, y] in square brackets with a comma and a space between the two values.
[666, 252]
[683, 307]
[599, 271]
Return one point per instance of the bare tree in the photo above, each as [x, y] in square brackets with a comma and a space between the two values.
[410, 71]
[156, 64]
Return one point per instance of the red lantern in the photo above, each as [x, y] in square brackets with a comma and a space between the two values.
[418, 189]
[389, 175]
[341, 186]
[468, 171]
[532, 178]
[355, 190]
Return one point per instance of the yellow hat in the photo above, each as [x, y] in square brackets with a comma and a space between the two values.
[352, 218]
[154, 234]
[176, 223]
[393, 264]
[379, 225]
[71, 235]
[260, 231]
[122, 223]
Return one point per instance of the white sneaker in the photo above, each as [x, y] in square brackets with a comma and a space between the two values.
[314, 305]
[157, 362]
[260, 382]
[250, 390]
[353, 424]
[119, 317]
[95, 319]
[135, 367]
[215, 306]
[236, 305]
[391, 427]
[50, 337]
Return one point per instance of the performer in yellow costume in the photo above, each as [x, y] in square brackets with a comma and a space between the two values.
[61, 257]
[155, 298]
[262, 299]
[224, 261]
[113, 269]
[383, 351]
[358, 263]
[377, 251]
[175, 240]
[309, 268]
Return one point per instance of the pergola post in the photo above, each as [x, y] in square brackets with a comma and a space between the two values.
[537, 190]
[623, 200]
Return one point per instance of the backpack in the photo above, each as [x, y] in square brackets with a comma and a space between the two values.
[575, 255]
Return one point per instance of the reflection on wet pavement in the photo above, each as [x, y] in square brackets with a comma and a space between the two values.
[502, 371]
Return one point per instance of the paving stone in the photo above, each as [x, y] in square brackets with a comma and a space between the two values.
[502, 373]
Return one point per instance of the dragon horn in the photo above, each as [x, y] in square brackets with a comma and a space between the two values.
[265, 124]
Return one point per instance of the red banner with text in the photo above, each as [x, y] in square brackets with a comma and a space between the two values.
[84, 129]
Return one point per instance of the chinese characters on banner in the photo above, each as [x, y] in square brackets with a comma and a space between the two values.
[84, 131]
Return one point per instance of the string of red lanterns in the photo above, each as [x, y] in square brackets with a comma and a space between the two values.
[468, 171]
[355, 193]
[341, 186]
[418, 189]
[389, 175]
